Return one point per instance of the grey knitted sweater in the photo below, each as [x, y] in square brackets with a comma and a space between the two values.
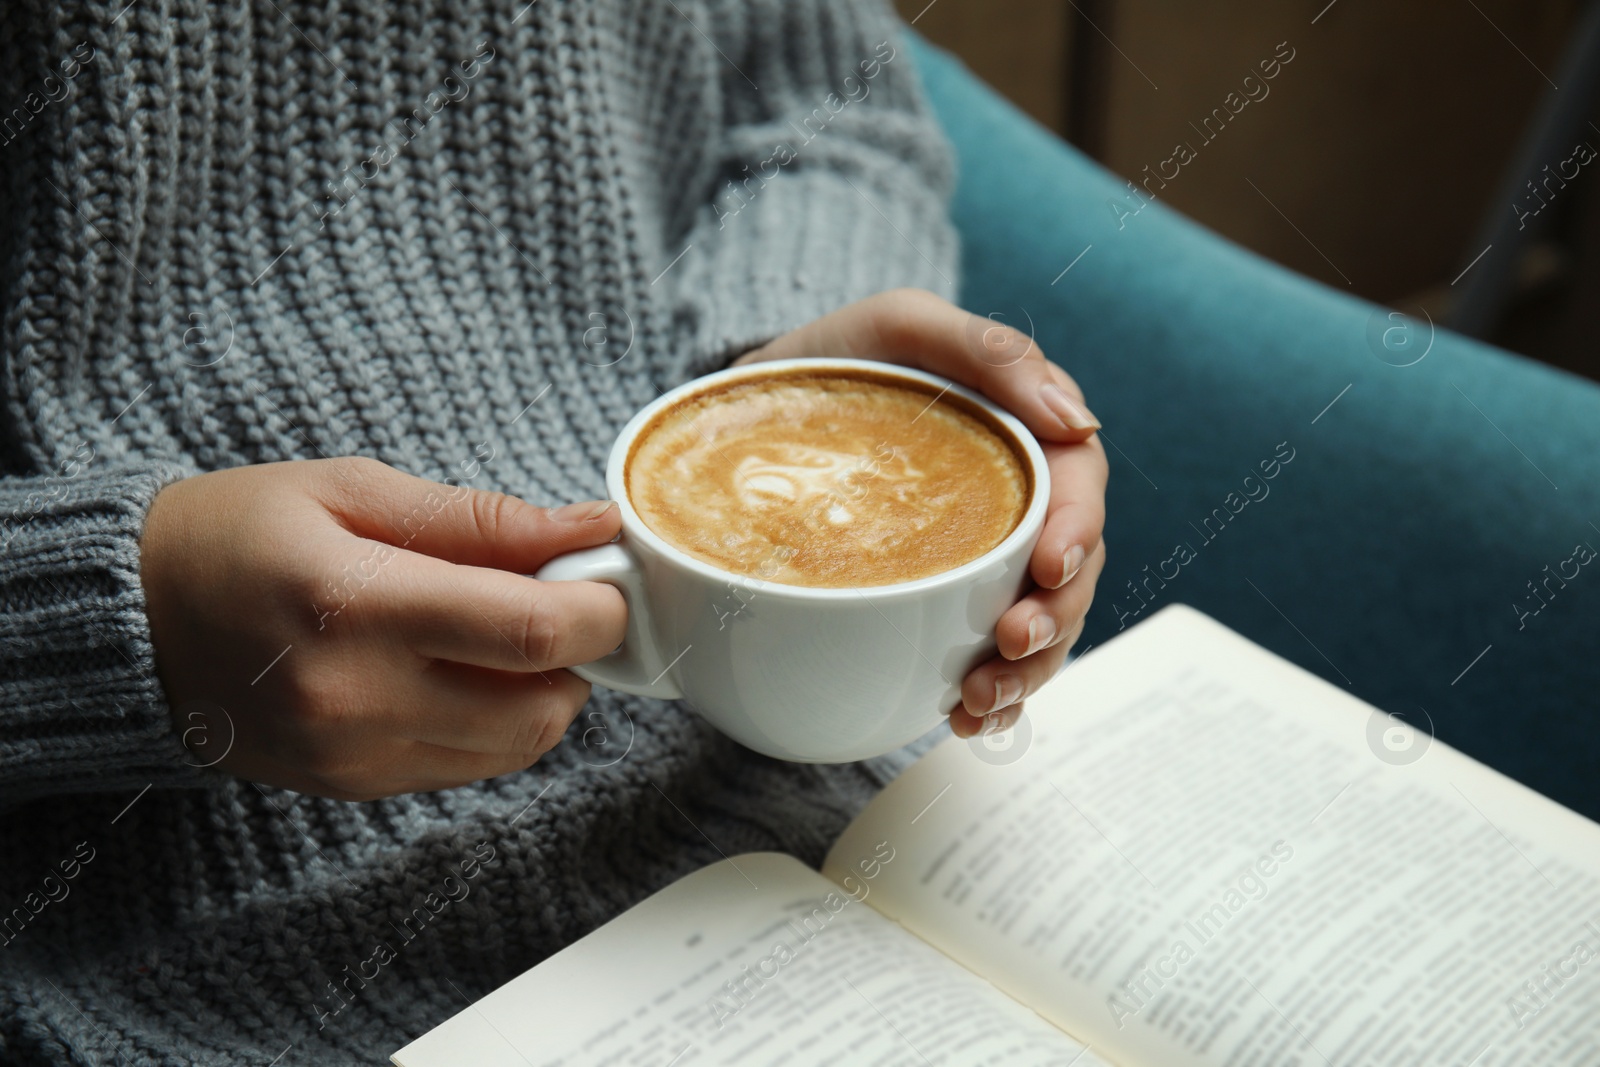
[235, 232]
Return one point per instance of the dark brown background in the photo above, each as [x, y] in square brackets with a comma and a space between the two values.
[1384, 140]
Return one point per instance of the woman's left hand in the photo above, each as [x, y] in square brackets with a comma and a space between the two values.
[918, 329]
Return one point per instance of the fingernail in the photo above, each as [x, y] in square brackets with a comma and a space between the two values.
[1071, 561]
[582, 511]
[1041, 631]
[1007, 691]
[1071, 413]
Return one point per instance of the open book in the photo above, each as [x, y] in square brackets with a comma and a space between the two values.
[1203, 855]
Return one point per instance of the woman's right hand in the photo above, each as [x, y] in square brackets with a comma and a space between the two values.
[337, 627]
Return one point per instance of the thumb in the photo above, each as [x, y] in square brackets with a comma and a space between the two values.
[472, 527]
[919, 329]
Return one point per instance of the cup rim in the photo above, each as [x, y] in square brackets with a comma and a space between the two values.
[634, 526]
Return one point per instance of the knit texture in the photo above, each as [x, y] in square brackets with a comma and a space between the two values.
[238, 232]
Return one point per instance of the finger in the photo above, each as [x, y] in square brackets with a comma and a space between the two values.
[494, 712]
[965, 725]
[918, 329]
[462, 525]
[1045, 617]
[1077, 512]
[491, 618]
[1000, 683]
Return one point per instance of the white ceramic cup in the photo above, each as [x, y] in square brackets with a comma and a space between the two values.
[814, 675]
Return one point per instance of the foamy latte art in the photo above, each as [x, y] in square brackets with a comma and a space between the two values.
[829, 479]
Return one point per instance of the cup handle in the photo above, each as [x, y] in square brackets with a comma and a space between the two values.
[637, 666]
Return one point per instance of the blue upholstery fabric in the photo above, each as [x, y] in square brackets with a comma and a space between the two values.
[1419, 513]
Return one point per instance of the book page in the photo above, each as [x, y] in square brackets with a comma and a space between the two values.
[1206, 856]
[756, 961]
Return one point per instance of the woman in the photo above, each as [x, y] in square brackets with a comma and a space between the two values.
[293, 295]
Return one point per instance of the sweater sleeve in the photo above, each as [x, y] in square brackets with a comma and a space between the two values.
[830, 182]
[81, 708]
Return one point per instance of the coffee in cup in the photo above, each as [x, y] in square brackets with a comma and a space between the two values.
[828, 480]
[775, 520]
